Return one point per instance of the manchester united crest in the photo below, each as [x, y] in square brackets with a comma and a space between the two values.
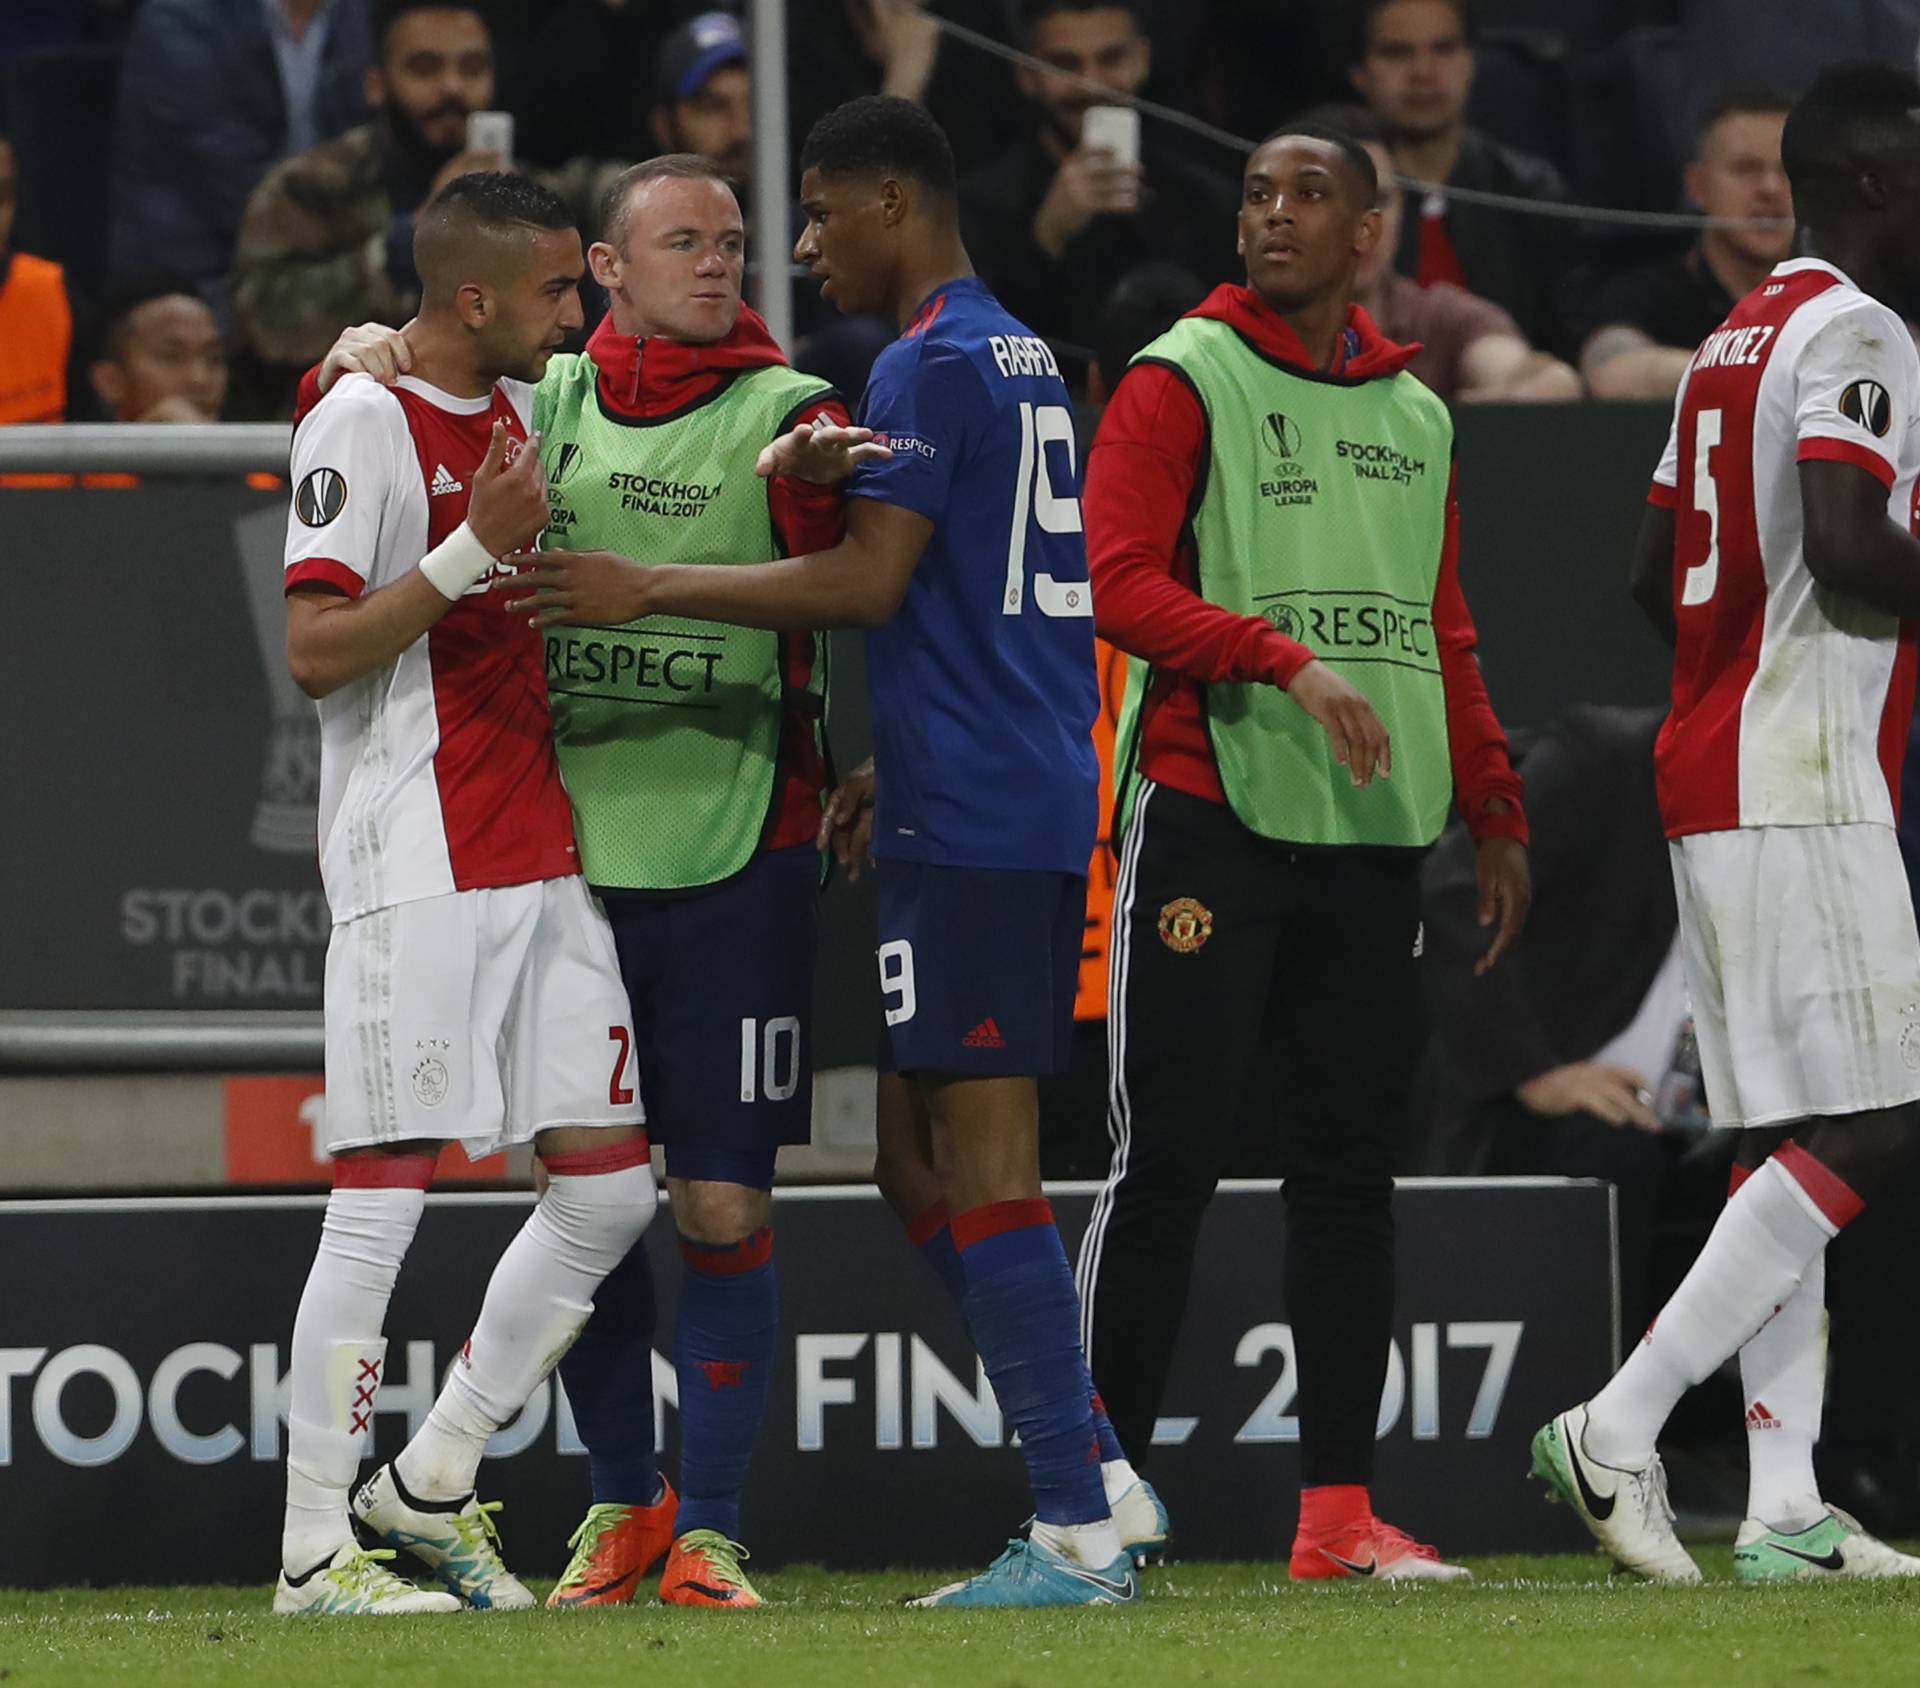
[1185, 924]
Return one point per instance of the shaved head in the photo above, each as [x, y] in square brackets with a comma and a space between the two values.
[483, 228]
[1353, 155]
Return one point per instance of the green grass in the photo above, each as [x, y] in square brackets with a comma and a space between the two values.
[1534, 1622]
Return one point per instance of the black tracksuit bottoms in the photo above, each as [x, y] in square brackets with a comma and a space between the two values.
[1242, 967]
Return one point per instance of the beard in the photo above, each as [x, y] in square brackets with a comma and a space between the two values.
[411, 136]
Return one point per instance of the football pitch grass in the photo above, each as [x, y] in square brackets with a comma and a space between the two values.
[1534, 1622]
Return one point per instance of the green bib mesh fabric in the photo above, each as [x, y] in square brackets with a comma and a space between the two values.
[1324, 510]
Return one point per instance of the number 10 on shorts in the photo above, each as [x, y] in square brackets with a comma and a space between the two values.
[769, 1059]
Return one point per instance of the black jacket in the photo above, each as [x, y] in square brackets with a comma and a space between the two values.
[1186, 217]
[1517, 260]
[1602, 923]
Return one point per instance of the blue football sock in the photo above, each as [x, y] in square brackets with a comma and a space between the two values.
[933, 1236]
[1025, 1319]
[728, 1325]
[608, 1374]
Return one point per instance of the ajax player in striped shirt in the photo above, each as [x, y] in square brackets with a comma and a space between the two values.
[1778, 556]
[963, 556]
[472, 991]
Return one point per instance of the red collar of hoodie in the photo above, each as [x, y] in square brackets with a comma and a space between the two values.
[651, 377]
[1362, 353]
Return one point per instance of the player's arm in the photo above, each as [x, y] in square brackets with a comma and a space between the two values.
[1851, 544]
[858, 583]
[1650, 575]
[336, 636]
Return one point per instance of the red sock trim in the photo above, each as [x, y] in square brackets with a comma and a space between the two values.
[1331, 1509]
[587, 1163]
[979, 1223]
[1831, 1194]
[1736, 1176]
[927, 1224]
[723, 1260]
[384, 1172]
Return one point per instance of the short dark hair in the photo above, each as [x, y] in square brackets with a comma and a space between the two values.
[1355, 154]
[1144, 304]
[123, 294]
[882, 135]
[1751, 100]
[1366, 11]
[496, 199]
[1855, 114]
[389, 12]
[616, 212]
[1033, 13]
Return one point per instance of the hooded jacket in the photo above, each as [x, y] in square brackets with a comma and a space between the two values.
[1141, 474]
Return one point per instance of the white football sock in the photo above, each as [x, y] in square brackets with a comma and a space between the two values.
[540, 1295]
[1093, 1546]
[1753, 1260]
[1783, 1374]
[1116, 1477]
[338, 1355]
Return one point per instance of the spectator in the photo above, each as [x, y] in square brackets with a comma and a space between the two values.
[328, 235]
[703, 95]
[1413, 65]
[213, 94]
[840, 49]
[1470, 349]
[159, 354]
[36, 324]
[1649, 321]
[1051, 222]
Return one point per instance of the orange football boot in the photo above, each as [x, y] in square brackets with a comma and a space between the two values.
[613, 1549]
[704, 1570]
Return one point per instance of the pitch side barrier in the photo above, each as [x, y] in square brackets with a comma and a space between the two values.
[162, 906]
[162, 1394]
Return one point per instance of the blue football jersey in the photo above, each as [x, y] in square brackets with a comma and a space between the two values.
[982, 685]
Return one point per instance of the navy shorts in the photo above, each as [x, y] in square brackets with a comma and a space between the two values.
[721, 984]
[978, 968]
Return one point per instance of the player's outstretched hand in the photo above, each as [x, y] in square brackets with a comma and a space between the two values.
[1359, 738]
[373, 349]
[1506, 890]
[1616, 1094]
[820, 451]
[576, 588]
[507, 506]
[846, 825]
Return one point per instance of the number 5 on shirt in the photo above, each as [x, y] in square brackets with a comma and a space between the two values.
[1696, 587]
[1034, 500]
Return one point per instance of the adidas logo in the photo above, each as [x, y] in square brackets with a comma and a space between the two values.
[443, 482]
[1760, 1418]
[986, 1035]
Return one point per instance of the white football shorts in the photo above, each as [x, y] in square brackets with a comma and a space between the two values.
[1803, 967]
[482, 1016]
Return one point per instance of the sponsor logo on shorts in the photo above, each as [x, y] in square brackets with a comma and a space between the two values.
[431, 1082]
[1760, 1417]
[1910, 1037]
[986, 1035]
[1185, 924]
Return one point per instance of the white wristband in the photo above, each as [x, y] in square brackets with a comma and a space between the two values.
[456, 563]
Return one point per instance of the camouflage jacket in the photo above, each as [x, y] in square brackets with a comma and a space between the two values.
[327, 241]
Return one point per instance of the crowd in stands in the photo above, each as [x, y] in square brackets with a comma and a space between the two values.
[271, 155]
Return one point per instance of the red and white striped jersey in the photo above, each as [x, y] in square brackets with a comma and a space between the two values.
[437, 772]
[1791, 703]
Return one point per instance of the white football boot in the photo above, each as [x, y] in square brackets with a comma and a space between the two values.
[458, 1543]
[356, 1582]
[1627, 1511]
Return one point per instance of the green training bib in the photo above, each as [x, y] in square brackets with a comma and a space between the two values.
[668, 731]
[1322, 508]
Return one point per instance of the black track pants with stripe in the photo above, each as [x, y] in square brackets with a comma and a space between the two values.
[1244, 969]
